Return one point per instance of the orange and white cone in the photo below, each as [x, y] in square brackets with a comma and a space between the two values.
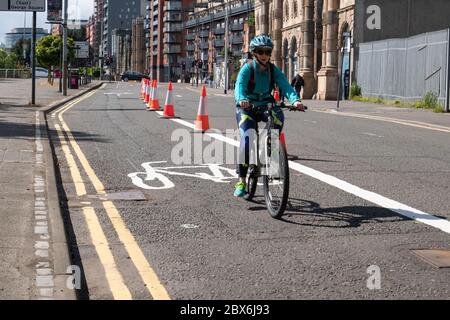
[168, 106]
[150, 96]
[154, 102]
[202, 121]
[147, 92]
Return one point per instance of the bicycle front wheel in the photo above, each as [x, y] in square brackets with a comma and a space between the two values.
[252, 182]
[276, 185]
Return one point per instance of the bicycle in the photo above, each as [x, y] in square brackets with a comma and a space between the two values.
[275, 184]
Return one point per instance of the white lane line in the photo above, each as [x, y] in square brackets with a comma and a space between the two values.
[372, 134]
[179, 96]
[410, 123]
[400, 208]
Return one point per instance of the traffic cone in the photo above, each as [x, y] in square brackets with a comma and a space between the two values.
[154, 102]
[168, 107]
[143, 89]
[147, 92]
[150, 95]
[202, 122]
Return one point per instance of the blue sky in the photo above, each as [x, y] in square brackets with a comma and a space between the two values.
[81, 9]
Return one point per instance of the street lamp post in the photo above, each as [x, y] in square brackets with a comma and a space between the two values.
[226, 49]
[65, 49]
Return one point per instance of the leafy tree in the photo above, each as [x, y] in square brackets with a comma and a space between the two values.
[7, 61]
[77, 34]
[48, 52]
[18, 50]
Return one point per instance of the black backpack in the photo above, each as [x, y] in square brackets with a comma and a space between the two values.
[252, 82]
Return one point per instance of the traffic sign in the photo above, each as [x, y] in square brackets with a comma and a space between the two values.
[82, 49]
[22, 5]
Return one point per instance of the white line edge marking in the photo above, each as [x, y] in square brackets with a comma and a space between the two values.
[395, 206]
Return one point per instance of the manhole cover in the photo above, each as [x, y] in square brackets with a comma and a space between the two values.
[126, 195]
[437, 257]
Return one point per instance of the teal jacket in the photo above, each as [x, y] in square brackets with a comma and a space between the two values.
[262, 83]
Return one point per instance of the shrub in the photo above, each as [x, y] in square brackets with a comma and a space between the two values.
[355, 90]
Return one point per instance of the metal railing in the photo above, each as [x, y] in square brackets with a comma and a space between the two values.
[15, 73]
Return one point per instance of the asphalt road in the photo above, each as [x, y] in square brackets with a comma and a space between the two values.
[202, 243]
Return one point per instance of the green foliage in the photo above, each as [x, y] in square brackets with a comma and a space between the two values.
[77, 34]
[429, 101]
[18, 50]
[251, 19]
[48, 51]
[7, 61]
[355, 90]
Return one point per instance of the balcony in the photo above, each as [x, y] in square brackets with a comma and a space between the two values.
[237, 27]
[219, 31]
[155, 23]
[204, 45]
[172, 49]
[168, 38]
[172, 6]
[219, 43]
[190, 48]
[172, 18]
[155, 42]
[237, 40]
[237, 53]
[155, 3]
[173, 27]
[204, 34]
[190, 37]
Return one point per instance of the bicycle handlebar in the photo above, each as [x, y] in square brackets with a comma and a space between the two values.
[284, 106]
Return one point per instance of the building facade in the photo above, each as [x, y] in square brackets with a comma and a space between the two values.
[308, 37]
[118, 14]
[209, 30]
[22, 33]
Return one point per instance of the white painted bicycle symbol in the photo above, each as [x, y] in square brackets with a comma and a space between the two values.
[154, 178]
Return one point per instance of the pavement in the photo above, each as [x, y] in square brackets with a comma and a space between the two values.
[34, 256]
[35, 262]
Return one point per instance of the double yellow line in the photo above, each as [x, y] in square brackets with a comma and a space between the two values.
[99, 240]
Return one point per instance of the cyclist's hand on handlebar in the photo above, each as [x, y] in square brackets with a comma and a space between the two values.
[299, 106]
[244, 104]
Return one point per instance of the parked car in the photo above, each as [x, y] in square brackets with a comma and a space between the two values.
[133, 75]
[41, 72]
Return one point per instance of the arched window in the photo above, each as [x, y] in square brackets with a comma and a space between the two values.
[285, 57]
[286, 11]
[294, 57]
[295, 10]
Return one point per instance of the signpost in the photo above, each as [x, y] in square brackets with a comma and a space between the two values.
[21, 5]
[82, 49]
[33, 6]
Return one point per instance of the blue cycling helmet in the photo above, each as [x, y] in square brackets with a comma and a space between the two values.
[261, 41]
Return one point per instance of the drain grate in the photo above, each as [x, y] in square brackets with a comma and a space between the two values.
[437, 257]
[133, 195]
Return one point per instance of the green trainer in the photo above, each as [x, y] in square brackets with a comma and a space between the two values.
[239, 190]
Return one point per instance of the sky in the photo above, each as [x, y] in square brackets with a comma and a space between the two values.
[77, 9]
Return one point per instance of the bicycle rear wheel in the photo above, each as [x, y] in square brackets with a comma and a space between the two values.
[252, 182]
[276, 185]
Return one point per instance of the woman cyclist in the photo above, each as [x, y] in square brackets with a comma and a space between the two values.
[254, 86]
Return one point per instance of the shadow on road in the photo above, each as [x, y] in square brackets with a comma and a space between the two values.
[25, 130]
[309, 213]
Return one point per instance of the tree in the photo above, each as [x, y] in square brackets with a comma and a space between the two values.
[18, 50]
[48, 52]
[7, 61]
[77, 34]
